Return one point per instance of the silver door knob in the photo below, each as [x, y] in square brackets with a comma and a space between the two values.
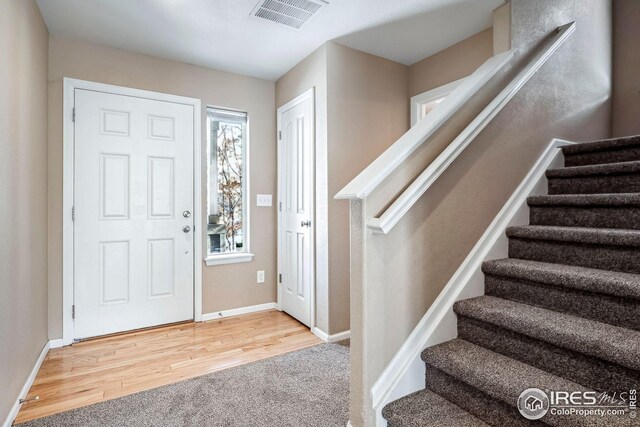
[186, 214]
[186, 229]
[306, 223]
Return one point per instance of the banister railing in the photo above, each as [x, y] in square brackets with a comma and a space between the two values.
[367, 181]
[421, 184]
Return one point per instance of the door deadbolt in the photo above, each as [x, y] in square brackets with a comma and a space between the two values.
[186, 214]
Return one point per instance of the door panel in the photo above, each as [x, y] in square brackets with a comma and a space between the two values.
[296, 258]
[114, 186]
[133, 167]
[114, 272]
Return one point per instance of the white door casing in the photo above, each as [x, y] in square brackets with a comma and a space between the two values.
[296, 219]
[133, 264]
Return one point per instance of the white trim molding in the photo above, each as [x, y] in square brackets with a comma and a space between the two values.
[238, 311]
[394, 213]
[70, 85]
[229, 258]
[212, 259]
[405, 373]
[419, 100]
[331, 338]
[57, 343]
[13, 413]
[369, 179]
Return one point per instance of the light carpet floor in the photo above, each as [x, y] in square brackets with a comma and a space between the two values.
[308, 387]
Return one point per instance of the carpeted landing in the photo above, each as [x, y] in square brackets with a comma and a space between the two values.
[308, 387]
[561, 313]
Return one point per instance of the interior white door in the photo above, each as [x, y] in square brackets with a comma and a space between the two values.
[296, 181]
[133, 227]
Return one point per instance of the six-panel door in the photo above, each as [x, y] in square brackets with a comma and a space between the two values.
[296, 198]
[133, 228]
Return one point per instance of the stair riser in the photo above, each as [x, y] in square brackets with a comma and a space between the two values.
[580, 368]
[598, 184]
[622, 312]
[615, 258]
[594, 217]
[603, 157]
[488, 409]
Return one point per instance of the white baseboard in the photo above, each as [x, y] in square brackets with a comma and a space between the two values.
[238, 311]
[331, 338]
[405, 373]
[27, 386]
[56, 343]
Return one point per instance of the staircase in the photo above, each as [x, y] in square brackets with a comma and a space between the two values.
[561, 313]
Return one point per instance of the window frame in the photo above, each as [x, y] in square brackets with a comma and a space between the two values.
[245, 255]
[423, 98]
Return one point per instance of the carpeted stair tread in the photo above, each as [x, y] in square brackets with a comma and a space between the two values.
[601, 152]
[498, 376]
[425, 408]
[624, 285]
[594, 236]
[562, 313]
[607, 200]
[490, 384]
[596, 339]
[620, 168]
[602, 145]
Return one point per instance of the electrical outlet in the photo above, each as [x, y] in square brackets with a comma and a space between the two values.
[261, 276]
[263, 200]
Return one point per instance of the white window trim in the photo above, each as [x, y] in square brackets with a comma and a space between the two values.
[424, 98]
[245, 255]
[229, 258]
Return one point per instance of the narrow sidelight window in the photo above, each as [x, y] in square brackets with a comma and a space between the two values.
[227, 220]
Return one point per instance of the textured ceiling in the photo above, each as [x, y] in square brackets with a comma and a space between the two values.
[221, 34]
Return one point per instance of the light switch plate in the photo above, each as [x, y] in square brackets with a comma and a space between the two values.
[263, 200]
[260, 276]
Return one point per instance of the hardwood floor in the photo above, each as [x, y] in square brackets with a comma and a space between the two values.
[106, 368]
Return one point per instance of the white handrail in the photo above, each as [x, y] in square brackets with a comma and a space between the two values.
[410, 196]
[367, 181]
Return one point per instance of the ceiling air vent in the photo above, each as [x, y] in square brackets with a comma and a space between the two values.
[292, 13]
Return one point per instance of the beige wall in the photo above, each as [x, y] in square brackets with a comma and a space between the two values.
[451, 64]
[312, 73]
[23, 195]
[224, 287]
[396, 277]
[368, 111]
[502, 28]
[362, 107]
[626, 67]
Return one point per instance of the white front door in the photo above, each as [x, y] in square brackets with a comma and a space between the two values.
[296, 195]
[133, 227]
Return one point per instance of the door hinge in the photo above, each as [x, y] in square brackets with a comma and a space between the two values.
[73, 115]
[73, 213]
[280, 135]
[73, 311]
[280, 206]
[280, 278]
